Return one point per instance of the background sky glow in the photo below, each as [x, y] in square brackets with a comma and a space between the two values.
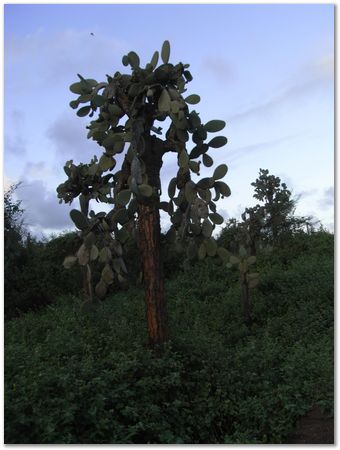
[267, 70]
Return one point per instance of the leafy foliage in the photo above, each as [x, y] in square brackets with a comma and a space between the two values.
[33, 274]
[35, 277]
[268, 224]
[13, 241]
[275, 217]
[77, 378]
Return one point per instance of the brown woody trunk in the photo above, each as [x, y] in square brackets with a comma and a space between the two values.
[150, 247]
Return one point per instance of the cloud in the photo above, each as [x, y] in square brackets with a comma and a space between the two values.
[311, 77]
[221, 70]
[307, 193]
[241, 152]
[68, 135]
[37, 170]
[330, 227]
[41, 207]
[15, 145]
[69, 138]
[59, 56]
[224, 213]
[327, 199]
[8, 182]
[323, 67]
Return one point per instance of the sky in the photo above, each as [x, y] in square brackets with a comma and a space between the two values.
[266, 70]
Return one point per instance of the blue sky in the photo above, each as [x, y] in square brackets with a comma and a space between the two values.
[267, 70]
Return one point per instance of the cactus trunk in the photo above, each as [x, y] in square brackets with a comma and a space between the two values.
[150, 247]
[84, 202]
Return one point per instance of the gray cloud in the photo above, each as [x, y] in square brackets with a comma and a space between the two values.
[307, 193]
[327, 199]
[15, 144]
[241, 152]
[7, 182]
[224, 213]
[323, 67]
[69, 138]
[330, 227]
[41, 207]
[219, 68]
[37, 170]
[60, 56]
[311, 77]
[68, 135]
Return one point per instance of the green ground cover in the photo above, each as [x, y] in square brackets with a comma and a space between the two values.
[74, 377]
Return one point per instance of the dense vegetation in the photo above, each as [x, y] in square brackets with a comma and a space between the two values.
[79, 376]
[87, 378]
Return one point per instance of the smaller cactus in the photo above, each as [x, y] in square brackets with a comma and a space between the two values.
[102, 244]
[248, 281]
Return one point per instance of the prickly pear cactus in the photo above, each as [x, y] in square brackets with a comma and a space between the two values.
[244, 262]
[248, 279]
[126, 111]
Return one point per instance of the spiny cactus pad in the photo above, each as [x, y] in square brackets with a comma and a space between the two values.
[125, 112]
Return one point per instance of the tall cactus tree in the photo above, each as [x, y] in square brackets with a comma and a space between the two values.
[278, 205]
[128, 110]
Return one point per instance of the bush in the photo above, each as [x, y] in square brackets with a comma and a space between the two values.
[40, 276]
[77, 378]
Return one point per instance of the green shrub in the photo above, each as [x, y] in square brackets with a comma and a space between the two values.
[73, 378]
[40, 276]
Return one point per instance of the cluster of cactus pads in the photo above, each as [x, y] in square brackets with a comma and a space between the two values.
[129, 109]
[248, 279]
